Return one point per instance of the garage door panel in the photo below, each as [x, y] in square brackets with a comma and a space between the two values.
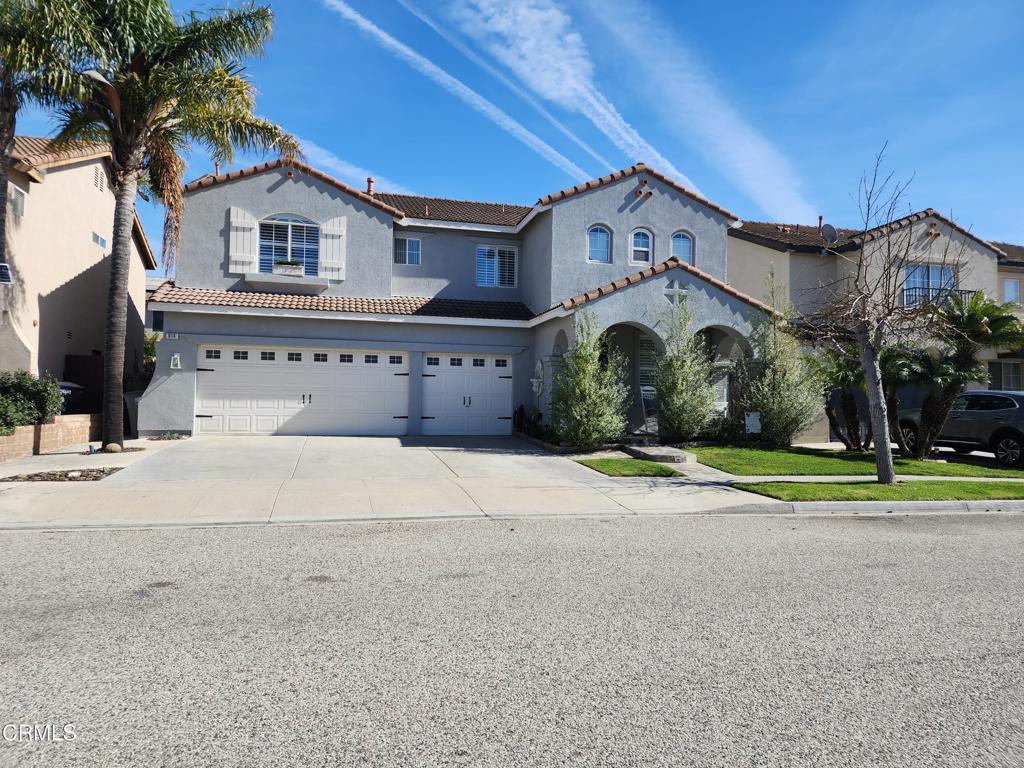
[467, 399]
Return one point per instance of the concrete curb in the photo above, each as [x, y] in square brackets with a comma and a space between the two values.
[871, 508]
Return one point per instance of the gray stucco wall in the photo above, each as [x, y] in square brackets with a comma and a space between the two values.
[448, 265]
[536, 263]
[617, 207]
[168, 405]
[203, 253]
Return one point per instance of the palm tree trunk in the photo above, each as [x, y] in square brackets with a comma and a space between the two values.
[934, 413]
[848, 402]
[833, 422]
[892, 406]
[8, 116]
[117, 311]
[877, 408]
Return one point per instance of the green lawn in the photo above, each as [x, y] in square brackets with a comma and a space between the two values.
[911, 490]
[811, 461]
[629, 467]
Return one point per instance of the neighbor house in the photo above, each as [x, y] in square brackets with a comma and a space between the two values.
[302, 305]
[53, 285]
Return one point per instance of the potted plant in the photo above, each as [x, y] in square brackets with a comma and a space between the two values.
[288, 267]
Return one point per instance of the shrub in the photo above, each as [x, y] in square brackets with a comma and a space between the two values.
[780, 383]
[589, 400]
[27, 399]
[683, 379]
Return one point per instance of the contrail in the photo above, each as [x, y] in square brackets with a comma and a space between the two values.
[460, 89]
[473, 56]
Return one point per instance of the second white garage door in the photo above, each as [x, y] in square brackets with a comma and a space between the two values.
[465, 394]
[248, 390]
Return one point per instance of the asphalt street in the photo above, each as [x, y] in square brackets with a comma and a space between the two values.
[708, 641]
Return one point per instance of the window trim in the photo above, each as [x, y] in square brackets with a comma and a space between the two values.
[497, 265]
[1003, 288]
[287, 219]
[406, 263]
[693, 245]
[650, 249]
[24, 199]
[606, 228]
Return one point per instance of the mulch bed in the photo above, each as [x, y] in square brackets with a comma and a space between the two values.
[63, 475]
[123, 450]
[169, 436]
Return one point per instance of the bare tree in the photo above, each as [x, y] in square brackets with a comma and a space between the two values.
[870, 306]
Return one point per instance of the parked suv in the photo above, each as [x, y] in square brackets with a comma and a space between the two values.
[981, 420]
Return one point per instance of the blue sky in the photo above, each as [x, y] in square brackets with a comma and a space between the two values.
[772, 110]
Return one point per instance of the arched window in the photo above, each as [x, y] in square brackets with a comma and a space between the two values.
[289, 241]
[599, 244]
[682, 247]
[642, 250]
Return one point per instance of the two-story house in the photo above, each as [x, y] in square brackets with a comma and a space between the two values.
[53, 285]
[304, 306]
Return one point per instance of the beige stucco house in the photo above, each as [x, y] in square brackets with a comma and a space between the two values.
[53, 288]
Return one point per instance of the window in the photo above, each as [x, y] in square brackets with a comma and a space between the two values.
[495, 267]
[370, 359]
[407, 251]
[989, 403]
[294, 357]
[479, 362]
[345, 357]
[433, 361]
[599, 245]
[267, 355]
[213, 354]
[394, 360]
[319, 357]
[642, 247]
[241, 354]
[1006, 376]
[1011, 290]
[682, 247]
[456, 362]
[99, 177]
[100, 241]
[501, 363]
[16, 200]
[925, 282]
[285, 239]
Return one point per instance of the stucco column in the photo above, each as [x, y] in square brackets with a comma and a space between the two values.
[415, 393]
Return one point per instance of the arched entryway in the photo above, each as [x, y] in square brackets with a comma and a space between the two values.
[639, 347]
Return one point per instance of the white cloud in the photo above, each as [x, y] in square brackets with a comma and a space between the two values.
[458, 88]
[693, 109]
[536, 40]
[351, 174]
[473, 56]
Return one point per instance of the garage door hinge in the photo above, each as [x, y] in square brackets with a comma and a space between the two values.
[504, 377]
[399, 417]
[401, 374]
[504, 418]
[426, 417]
[209, 370]
[428, 375]
[203, 416]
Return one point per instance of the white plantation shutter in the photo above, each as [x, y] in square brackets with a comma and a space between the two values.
[333, 237]
[243, 242]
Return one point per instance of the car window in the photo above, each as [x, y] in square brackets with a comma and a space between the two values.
[989, 403]
[960, 404]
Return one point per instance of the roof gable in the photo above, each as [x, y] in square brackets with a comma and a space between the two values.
[625, 173]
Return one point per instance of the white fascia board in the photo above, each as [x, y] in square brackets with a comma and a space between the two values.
[537, 209]
[314, 314]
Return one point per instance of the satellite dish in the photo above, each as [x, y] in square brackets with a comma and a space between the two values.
[830, 234]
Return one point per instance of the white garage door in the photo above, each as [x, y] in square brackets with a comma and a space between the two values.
[279, 391]
[467, 394]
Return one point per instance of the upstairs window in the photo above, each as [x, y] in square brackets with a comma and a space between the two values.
[496, 266]
[1011, 290]
[642, 247]
[682, 247]
[599, 245]
[286, 240]
[407, 251]
[16, 200]
[924, 282]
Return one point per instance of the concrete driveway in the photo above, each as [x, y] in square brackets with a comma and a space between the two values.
[227, 480]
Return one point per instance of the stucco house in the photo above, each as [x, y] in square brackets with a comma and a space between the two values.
[302, 305]
[53, 285]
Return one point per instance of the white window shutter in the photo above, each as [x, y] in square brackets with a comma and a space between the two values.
[333, 241]
[243, 242]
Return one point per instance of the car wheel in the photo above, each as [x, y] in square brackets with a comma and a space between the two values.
[909, 435]
[1008, 450]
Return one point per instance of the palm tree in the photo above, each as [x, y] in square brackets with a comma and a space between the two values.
[899, 368]
[968, 326]
[158, 84]
[40, 43]
[841, 372]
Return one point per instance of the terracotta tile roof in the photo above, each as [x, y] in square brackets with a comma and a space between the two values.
[804, 237]
[633, 170]
[1014, 253]
[38, 152]
[422, 306]
[657, 269]
[210, 180]
[447, 209]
